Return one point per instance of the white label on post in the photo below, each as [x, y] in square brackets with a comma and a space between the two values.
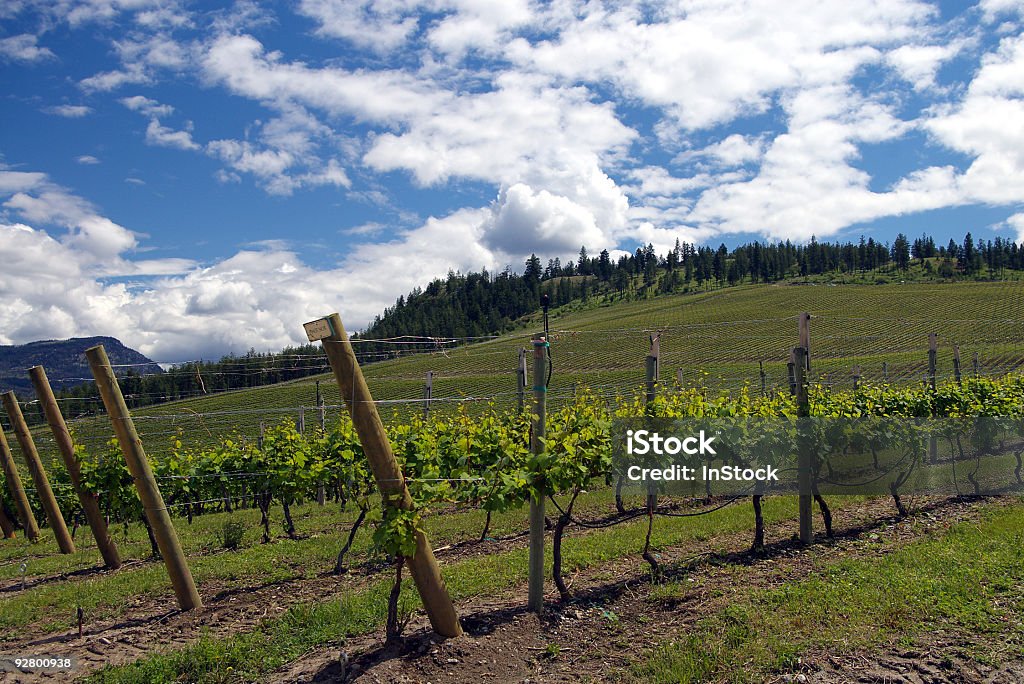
[318, 329]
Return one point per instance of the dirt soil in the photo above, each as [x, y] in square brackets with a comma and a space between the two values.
[614, 618]
[593, 638]
[146, 624]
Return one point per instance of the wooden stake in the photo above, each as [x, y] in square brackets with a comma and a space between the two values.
[535, 599]
[35, 468]
[61, 435]
[656, 353]
[138, 465]
[651, 378]
[28, 519]
[386, 472]
[803, 453]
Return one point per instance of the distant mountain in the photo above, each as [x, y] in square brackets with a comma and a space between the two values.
[64, 361]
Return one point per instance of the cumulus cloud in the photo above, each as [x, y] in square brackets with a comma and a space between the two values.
[147, 106]
[157, 134]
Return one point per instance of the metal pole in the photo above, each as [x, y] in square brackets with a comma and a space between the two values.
[145, 483]
[428, 393]
[535, 600]
[39, 479]
[66, 446]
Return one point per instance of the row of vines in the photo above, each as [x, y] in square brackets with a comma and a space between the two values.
[484, 461]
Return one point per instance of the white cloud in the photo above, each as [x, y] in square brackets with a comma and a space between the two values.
[24, 48]
[919, 64]
[1017, 223]
[115, 78]
[157, 134]
[69, 111]
[147, 106]
[87, 159]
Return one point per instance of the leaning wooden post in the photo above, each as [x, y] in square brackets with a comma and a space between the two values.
[145, 483]
[28, 519]
[35, 468]
[66, 446]
[386, 472]
[803, 453]
[535, 599]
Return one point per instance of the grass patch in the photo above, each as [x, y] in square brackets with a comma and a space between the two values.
[967, 580]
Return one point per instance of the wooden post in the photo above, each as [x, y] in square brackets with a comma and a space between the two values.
[803, 453]
[956, 364]
[302, 420]
[650, 378]
[521, 380]
[259, 438]
[679, 376]
[764, 378]
[656, 353]
[35, 468]
[856, 377]
[428, 393]
[145, 484]
[61, 435]
[805, 338]
[977, 365]
[386, 472]
[791, 372]
[885, 371]
[28, 519]
[535, 599]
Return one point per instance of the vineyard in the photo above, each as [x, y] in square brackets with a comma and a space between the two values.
[297, 560]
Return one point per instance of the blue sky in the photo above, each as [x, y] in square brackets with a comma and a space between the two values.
[197, 178]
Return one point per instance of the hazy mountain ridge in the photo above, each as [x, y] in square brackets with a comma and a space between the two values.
[64, 361]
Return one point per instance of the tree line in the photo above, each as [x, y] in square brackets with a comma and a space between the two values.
[463, 306]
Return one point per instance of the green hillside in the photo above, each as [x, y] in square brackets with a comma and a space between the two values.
[717, 338]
